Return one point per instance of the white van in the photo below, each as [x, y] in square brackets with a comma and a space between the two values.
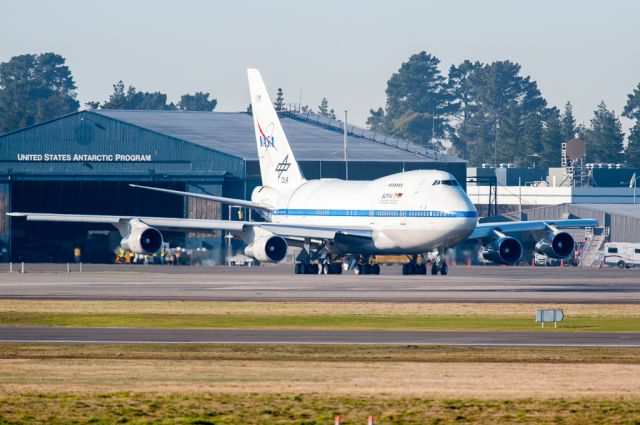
[622, 254]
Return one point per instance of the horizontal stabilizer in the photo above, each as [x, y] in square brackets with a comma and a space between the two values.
[221, 199]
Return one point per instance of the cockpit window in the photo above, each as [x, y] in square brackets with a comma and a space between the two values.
[446, 182]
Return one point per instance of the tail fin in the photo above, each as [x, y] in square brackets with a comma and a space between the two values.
[278, 167]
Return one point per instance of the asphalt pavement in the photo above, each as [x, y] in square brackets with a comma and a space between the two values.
[472, 284]
[548, 338]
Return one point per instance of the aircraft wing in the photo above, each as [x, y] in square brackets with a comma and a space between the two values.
[204, 225]
[488, 230]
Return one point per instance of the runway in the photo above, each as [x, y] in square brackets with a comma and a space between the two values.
[278, 283]
[548, 338]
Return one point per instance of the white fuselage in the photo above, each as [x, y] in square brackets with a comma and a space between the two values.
[406, 212]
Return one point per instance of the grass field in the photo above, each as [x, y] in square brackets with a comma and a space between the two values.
[238, 384]
[205, 409]
[173, 314]
[310, 384]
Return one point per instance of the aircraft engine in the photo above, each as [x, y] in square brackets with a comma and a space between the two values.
[505, 250]
[271, 249]
[142, 239]
[556, 245]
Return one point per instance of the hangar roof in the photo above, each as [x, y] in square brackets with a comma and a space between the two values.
[310, 140]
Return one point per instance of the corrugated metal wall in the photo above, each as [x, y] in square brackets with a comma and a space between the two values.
[622, 228]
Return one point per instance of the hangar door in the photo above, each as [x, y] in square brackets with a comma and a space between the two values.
[54, 242]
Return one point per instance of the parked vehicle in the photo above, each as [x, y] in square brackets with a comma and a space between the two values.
[622, 254]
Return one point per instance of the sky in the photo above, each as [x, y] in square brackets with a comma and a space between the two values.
[579, 51]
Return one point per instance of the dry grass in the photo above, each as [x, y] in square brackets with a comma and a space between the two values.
[321, 353]
[305, 409]
[217, 384]
[402, 379]
[308, 308]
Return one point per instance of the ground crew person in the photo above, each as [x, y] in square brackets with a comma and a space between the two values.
[77, 254]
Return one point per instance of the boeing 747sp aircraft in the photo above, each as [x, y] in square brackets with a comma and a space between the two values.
[409, 213]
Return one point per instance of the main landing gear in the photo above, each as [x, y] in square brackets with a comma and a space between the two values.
[306, 268]
[367, 268]
[412, 267]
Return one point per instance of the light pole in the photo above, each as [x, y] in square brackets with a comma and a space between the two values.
[634, 182]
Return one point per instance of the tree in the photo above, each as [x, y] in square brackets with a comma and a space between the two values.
[136, 100]
[323, 108]
[604, 137]
[552, 140]
[35, 88]
[461, 93]
[419, 105]
[279, 103]
[632, 111]
[504, 114]
[332, 114]
[568, 125]
[198, 101]
[375, 120]
[632, 152]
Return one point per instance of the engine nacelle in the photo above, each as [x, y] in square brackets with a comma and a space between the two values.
[142, 239]
[556, 245]
[271, 249]
[505, 250]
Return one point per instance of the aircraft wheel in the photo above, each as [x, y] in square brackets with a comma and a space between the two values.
[434, 269]
[368, 269]
[421, 269]
[444, 269]
[298, 268]
[357, 269]
[405, 269]
[375, 269]
[327, 269]
[336, 268]
[314, 268]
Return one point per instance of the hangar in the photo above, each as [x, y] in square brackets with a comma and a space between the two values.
[83, 163]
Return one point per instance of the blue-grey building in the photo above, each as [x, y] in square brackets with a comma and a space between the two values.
[83, 163]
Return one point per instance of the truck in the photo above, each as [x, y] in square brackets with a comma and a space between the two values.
[622, 254]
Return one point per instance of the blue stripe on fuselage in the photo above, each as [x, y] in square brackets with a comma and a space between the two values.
[377, 213]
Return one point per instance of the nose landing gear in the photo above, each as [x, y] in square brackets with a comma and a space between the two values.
[440, 264]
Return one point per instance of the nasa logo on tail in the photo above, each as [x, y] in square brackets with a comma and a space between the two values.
[267, 141]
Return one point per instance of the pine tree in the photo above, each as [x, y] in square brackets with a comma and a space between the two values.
[632, 111]
[532, 135]
[323, 108]
[332, 114]
[419, 105]
[568, 123]
[279, 103]
[35, 88]
[376, 119]
[632, 152]
[604, 137]
[552, 140]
